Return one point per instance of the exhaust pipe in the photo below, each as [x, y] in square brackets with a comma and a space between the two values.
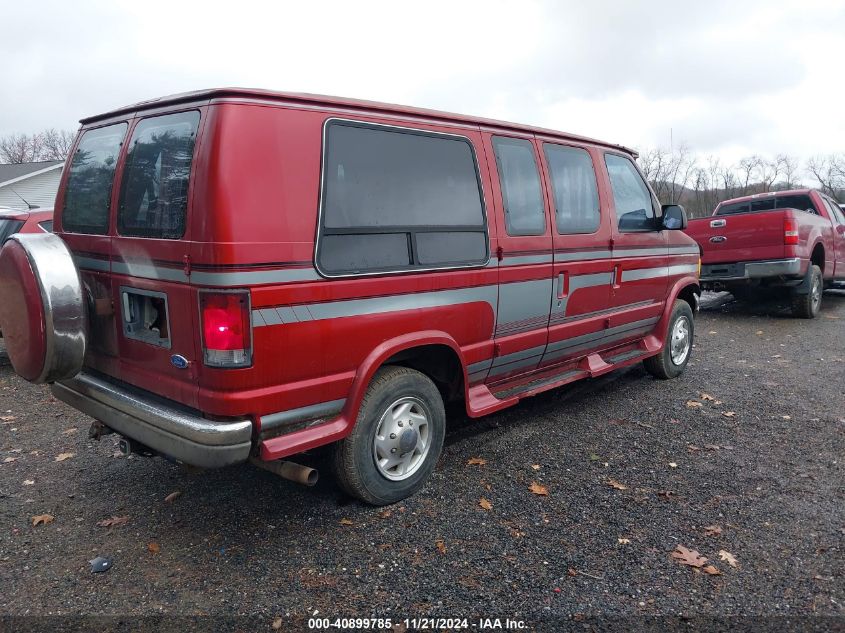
[289, 470]
[128, 447]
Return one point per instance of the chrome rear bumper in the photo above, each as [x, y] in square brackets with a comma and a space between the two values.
[165, 428]
[752, 270]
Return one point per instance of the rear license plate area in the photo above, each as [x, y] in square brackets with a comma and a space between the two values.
[145, 316]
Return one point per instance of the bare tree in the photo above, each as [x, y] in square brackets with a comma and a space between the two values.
[767, 173]
[789, 166]
[50, 144]
[829, 171]
[747, 168]
[56, 144]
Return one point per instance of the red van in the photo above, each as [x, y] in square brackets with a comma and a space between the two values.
[246, 275]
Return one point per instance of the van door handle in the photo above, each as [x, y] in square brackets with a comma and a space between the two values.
[561, 285]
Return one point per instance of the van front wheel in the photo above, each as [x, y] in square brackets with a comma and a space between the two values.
[671, 362]
[397, 438]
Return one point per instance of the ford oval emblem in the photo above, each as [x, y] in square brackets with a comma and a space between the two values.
[178, 361]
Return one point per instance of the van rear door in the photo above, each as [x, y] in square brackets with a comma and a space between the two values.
[155, 308]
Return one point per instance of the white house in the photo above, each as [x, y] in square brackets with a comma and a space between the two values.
[36, 183]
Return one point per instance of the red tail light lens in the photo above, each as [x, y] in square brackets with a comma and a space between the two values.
[790, 232]
[226, 328]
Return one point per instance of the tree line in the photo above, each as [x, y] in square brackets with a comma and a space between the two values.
[680, 176]
[51, 144]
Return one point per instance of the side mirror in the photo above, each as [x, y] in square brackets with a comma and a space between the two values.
[674, 217]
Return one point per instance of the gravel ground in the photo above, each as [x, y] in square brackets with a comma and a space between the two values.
[749, 440]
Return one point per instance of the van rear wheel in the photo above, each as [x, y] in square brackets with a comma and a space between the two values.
[397, 438]
[671, 362]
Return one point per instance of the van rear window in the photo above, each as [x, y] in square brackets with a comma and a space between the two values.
[154, 191]
[89, 183]
[396, 199]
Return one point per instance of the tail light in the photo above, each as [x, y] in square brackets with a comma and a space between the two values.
[790, 232]
[226, 328]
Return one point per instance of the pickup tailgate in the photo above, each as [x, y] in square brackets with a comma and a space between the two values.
[739, 238]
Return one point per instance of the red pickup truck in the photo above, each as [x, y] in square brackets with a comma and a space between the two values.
[788, 239]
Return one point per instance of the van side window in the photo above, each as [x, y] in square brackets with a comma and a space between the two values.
[398, 199]
[89, 183]
[575, 190]
[154, 192]
[520, 183]
[632, 198]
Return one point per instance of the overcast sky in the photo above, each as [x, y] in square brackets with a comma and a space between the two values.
[729, 78]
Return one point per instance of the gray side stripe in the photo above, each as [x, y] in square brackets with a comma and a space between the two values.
[553, 354]
[91, 263]
[480, 366]
[527, 259]
[377, 305]
[651, 252]
[576, 282]
[594, 336]
[660, 271]
[310, 412]
[582, 256]
[148, 271]
[683, 269]
[531, 352]
[254, 277]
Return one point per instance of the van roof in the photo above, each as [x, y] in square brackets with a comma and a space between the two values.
[339, 102]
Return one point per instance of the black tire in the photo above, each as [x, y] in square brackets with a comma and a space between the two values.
[807, 306]
[662, 365]
[354, 461]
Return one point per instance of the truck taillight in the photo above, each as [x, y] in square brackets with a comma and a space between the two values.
[226, 328]
[790, 232]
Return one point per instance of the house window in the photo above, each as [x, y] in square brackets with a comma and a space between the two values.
[396, 199]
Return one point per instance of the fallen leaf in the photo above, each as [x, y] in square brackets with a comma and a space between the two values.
[538, 489]
[594, 457]
[673, 465]
[729, 558]
[9, 460]
[63, 456]
[729, 414]
[384, 514]
[277, 624]
[707, 396]
[692, 448]
[476, 461]
[571, 572]
[713, 530]
[535, 466]
[484, 503]
[28, 482]
[693, 403]
[113, 522]
[70, 431]
[42, 519]
[441, 547]
[688, 557]
[7, 418]
[615, 484]
[154, 548]
[759, 332]
[786, 417]
[623, 541]
[172, 496]
[345, 521]
[710, 569]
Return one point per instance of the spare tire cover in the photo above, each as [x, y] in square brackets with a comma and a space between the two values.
[42, 309]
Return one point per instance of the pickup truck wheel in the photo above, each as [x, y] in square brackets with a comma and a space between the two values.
[807, 306]
[397, 438]
[671, 362]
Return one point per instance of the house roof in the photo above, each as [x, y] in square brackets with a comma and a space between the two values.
[20, 171]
